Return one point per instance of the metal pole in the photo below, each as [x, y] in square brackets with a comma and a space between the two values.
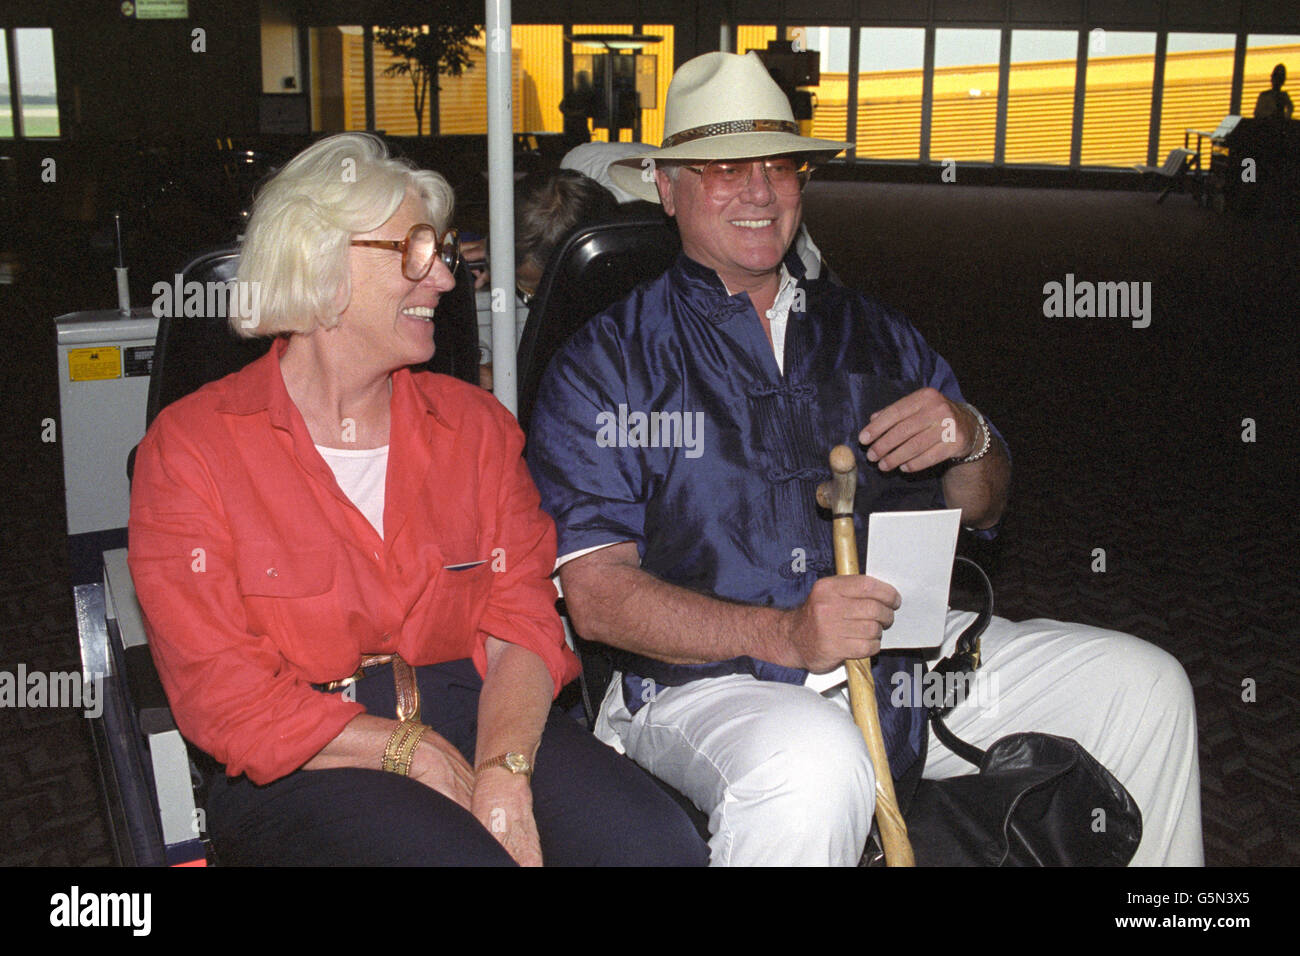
[368, 59]
[611, 130]
[1157, 101]
[501, 202]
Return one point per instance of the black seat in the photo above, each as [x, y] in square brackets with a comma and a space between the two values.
[592, 269]
[588, 272]
[192, 351]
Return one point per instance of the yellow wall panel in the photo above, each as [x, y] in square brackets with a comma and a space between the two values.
[751, 37]
[889, 114]
[541, 49]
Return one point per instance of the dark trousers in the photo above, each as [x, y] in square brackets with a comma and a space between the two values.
[593, 807]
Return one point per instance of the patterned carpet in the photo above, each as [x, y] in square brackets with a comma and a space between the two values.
[1128, 439]
[1125, 439]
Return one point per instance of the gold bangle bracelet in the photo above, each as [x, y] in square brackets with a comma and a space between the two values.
[401, 747]
[406, 752]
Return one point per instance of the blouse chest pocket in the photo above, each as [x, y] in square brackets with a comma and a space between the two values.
[464, 582]
[465, 562]
[291, 596]
[271, 571]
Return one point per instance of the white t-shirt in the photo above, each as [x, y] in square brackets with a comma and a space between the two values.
[361, 474]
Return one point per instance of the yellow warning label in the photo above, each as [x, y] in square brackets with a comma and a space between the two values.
[89, 365]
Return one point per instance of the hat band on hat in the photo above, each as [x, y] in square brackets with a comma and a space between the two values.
[732, 126]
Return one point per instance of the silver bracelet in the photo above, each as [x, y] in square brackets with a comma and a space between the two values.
[988, 437]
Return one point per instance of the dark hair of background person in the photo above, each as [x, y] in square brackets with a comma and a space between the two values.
[550, 206]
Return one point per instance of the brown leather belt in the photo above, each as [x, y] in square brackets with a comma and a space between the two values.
[408, 693]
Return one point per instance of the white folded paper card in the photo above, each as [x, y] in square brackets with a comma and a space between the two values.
[912, 551]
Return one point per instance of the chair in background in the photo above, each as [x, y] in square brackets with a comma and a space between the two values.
[592, 269]
[1212, 170]
[1178, 165]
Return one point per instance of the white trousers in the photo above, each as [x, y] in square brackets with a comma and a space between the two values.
[785, 777]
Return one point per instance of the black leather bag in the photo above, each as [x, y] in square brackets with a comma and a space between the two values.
[1037, 800]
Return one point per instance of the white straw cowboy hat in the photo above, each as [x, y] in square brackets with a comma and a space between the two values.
[720, 106]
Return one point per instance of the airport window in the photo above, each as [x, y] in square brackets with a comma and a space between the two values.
[1197, 90]
[279, 49]
[652, 120]
[600, 133]
[27, 57]
[395, 96]
[830, 118]
[891, 82]
[1042, 75]
[1263, 52]
[1040, 96]
[340, 83]
[963, 122]
[6, 109]
[1117, 98]
[650, 76]
[462, 100]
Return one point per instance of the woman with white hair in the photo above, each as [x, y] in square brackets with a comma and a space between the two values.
[345, 571]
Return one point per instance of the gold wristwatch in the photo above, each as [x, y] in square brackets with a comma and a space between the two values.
[514, 762]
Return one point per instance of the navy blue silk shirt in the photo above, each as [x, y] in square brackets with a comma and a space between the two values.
[665, 421]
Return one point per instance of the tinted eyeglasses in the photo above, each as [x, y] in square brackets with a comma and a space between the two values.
[421, 246]
[725, 178]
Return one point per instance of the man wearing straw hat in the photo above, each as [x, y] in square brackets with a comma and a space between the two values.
[678, 440]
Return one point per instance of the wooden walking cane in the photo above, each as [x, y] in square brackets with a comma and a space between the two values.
[837, 495]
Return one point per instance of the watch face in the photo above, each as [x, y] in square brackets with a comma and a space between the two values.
[517, 763]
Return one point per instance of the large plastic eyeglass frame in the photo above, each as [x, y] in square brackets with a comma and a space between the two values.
[715, 190]
[441, 241]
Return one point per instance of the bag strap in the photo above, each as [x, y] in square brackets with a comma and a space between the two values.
[965, 658]
[968, 752]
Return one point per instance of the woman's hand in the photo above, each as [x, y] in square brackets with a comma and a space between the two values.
[440, 766]
[503, 802]
[512, 710]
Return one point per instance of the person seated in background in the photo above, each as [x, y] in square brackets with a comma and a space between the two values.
[593, 159]
[345, 570]
[549, 207]
[1274, 102]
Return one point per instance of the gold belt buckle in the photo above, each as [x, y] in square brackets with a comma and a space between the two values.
[407, 691]
[367, 662]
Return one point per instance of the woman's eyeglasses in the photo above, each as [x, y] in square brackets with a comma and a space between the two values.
[421, 246]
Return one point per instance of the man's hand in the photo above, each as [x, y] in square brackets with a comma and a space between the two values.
[842, 619]
[918, 431]
[474, 255]
[503, 803]
[440, 766]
